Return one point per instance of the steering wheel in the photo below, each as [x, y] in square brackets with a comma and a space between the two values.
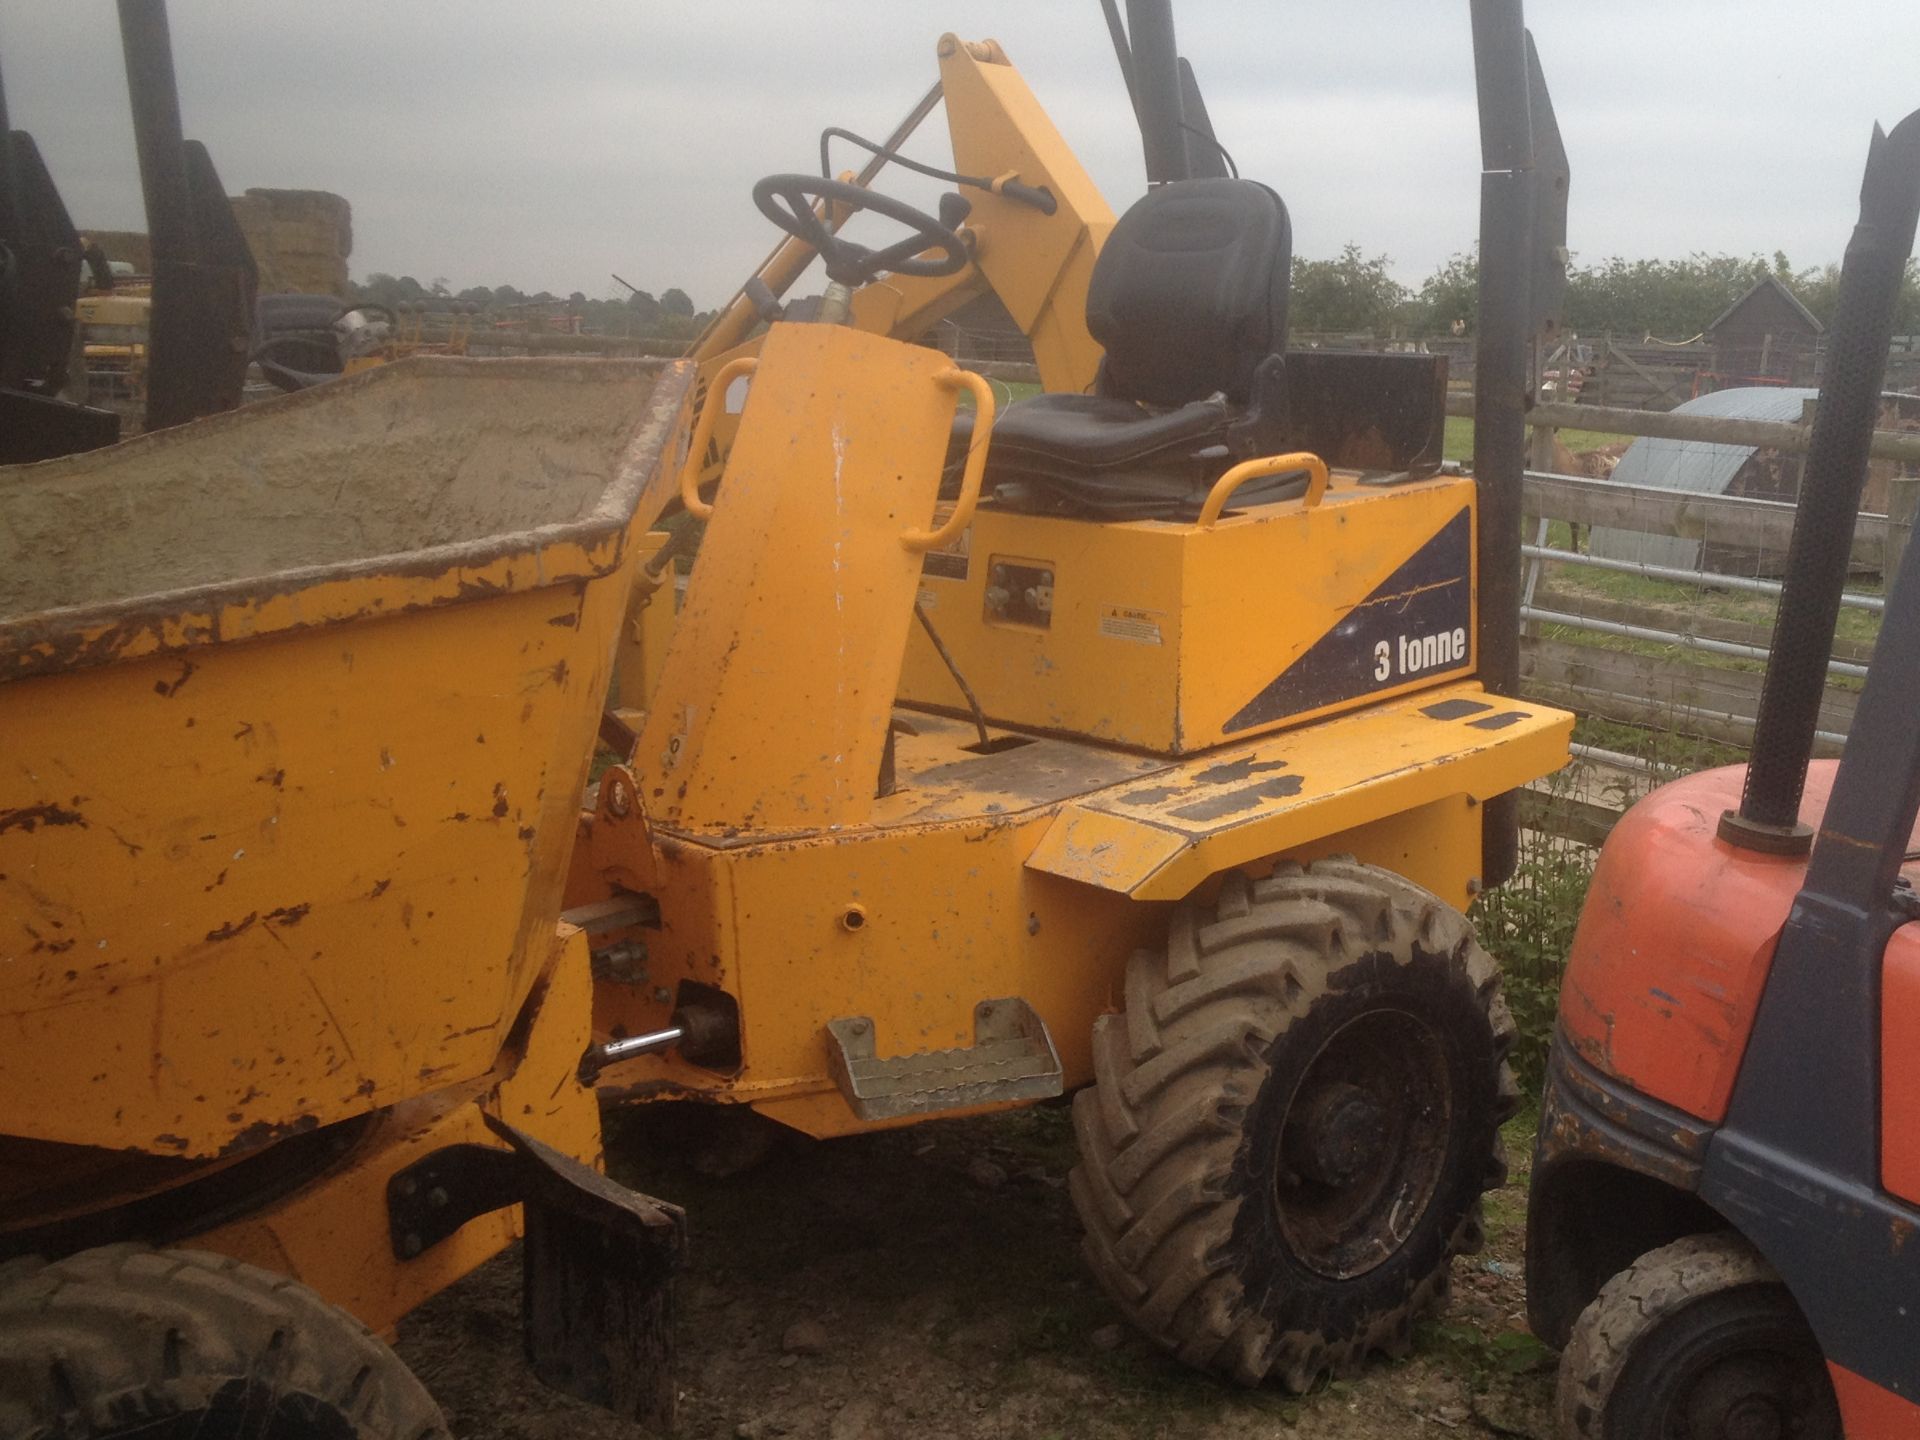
[787, 200]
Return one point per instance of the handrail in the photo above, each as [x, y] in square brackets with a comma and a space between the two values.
[703, 433]
[919, 541]
[1246, 470]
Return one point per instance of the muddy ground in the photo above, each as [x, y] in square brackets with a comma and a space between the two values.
[927, 1283]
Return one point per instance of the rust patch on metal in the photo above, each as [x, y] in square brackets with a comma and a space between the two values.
[261, 1134]
[379, 889]
[168, 689]
[500, 801]
[289, 914]
[32, 817]
[234, 927]
[272, 776]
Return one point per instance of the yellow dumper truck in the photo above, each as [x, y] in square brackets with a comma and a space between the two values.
[296, 706]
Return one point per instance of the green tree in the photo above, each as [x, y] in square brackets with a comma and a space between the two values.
[676, 302]
[1450, 295]
[1353, 294]
[1673, 299]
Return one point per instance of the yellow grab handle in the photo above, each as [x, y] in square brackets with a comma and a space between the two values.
[1246, 470]
[962, 516]
[703, 433]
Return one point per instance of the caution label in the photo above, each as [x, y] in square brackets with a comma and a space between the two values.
[1118, 622]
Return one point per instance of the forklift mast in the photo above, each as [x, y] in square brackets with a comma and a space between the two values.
[1522, 285]
[39, 276]
[204, 280]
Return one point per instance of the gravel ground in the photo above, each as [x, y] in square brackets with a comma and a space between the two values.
[926, 1282]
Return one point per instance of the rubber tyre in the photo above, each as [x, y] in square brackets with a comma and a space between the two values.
[1180, 1135]
[170, 1344]
[1627, 1365]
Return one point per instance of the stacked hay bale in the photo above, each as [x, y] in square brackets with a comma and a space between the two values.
[300, 239]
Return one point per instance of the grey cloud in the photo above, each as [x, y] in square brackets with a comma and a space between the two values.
[546, 145]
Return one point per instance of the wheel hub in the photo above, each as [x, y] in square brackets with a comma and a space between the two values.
[1341, 1135]
[1364, 1143]
[1742, 1397]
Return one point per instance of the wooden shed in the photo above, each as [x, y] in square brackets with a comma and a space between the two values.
[1766, 337]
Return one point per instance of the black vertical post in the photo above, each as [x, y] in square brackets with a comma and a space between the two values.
[1156, 89]
[9, 216]
[155, 97]
[1503, 330]
[11, 349]
[200, 323]
[1830, 488]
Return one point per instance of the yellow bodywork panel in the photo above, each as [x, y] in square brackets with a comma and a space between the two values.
[1039, 265]
[333, 1236]
[1033, 869]
[1175, 636]
[773, 702]
[1159, 839]
[642, 651]
[281, 844]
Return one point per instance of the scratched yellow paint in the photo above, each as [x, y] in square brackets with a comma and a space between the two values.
[1159, 839]
[1162, 630]
[297, 855]
[772, 704]
[1029, 873]
[333, 1234]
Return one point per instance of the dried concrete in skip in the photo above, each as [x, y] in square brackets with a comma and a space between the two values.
[405, 458]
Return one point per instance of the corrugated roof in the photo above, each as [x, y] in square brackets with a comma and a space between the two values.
[1692, 465]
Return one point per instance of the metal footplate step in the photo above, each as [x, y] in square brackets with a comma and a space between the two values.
[1011, 1058]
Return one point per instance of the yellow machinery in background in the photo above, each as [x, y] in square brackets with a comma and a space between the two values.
[1140, 742]
[289, 1018]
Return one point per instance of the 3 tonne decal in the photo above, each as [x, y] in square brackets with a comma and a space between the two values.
[1418, 621]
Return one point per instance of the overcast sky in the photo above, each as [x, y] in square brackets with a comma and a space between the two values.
[546, 145]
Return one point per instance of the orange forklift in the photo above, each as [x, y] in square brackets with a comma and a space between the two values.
[1724, 1229]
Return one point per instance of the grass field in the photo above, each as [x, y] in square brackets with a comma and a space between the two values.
[1458, 444]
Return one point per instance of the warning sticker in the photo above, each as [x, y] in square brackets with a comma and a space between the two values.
[949, 562]
[1140, 626]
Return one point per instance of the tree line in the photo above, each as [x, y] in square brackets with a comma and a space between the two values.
[1352, 294]
[1671, 299]
[671, 315]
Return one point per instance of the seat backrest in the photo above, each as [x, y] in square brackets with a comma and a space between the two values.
[1189, 294]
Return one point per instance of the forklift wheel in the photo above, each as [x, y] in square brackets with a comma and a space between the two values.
[171, 1344]
[1292, 1122]
[1699, 1337]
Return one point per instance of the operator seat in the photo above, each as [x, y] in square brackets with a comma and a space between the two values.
[1189, 297]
